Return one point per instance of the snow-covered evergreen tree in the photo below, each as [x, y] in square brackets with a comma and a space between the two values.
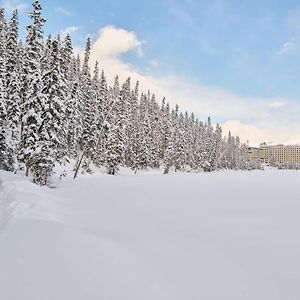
[115, 145]
[53, 109]
[53, 127]
[133, 131]
[89, 135]
[34, 101]
[169, 141]
[6, 142]
[13, 104]
[74, 110]
[103, 108]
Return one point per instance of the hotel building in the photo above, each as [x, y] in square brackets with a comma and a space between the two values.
[279, 155]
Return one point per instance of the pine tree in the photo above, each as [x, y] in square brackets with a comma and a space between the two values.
[33, 102]
[13, 82]
[154, 139]
[52, 109]
[169, 141]
[3, 24]
[133, 130]
[52, 130]
[114, 152]
[218, 147]
[3, 72]
[104, 108]
[89, 136]
[6, 151]
[6, 162]
[74, 112]
[211, 148]
[97, 100]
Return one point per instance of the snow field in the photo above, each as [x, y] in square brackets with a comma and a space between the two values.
[225, 235]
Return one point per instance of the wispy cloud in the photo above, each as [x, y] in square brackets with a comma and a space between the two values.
[10, 5]
[286, 47]
[154, 63]
[277, 104]
[63, 11]
[69, 30]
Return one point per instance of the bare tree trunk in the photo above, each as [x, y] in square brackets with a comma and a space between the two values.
[27, 168]
[78, 165]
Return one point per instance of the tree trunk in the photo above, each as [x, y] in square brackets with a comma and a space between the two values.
[78, 165]
[27, 168]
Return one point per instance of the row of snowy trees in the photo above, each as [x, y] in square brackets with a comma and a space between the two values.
[54, 109]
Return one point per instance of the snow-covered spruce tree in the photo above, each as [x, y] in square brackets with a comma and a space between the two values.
[103, 108]
[237, 152]
[162, 127]
[200, 146]
[23, 79]
[3, 25]
[190, 147]
[97, 157]
[192, 155]
[89, 135]
[115, 148]
[125, 106]
[52, 109]
[230, 162]
[211, 148]
[52, 134]
[169, 140]
[177, 140]
[218, 147]
[6, 151]
[180, 143]
[34, 101]
[143, 157]
[133, 131]
[65, 56]
[74, 112]
[155, 132]
[13, 83]
[244, 159]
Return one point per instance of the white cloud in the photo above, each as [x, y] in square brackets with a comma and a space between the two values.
[253, 119]
[69, 30]
[293, 140]
[254, 134]
[286, 48]
[276, 104]
[289, 46]
[10, 5]
[112, 42]
[63, 11]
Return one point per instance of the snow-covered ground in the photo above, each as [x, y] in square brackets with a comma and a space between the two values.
[226, 235]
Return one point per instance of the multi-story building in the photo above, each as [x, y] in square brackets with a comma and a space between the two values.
[279, 155]
[254, 153]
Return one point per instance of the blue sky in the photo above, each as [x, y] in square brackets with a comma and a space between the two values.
[249, 48]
